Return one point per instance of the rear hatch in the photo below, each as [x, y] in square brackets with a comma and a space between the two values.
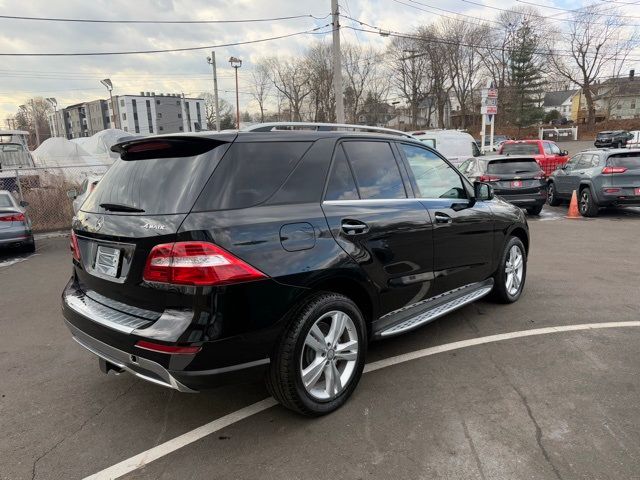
[624, 173]
[140, 202]
[515, 175]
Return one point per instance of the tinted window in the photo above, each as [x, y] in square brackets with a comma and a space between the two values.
[521, 148]
[155, 185]
[513, 166]
[341, 184]
[630, 162]
[5, 201]
[250, 173]
[375, 169]
[433, 176]
[584, 162]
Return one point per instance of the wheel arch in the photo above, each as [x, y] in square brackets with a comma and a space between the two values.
[522, 234]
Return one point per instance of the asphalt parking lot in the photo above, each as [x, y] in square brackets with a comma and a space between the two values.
[562, 404]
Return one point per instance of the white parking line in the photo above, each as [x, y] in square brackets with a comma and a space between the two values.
[148, 456]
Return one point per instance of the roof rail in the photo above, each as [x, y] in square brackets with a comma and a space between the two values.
[322, 127]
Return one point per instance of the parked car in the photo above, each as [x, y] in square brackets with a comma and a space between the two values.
[15, 225]
[547, 153]
[201, 259]
[612, 139]
[517, 179]
[80, 195]
[498, 140]
[601, 178]
[455, 145]
[634, 139]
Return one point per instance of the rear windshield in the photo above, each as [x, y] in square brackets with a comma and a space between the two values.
[512, 166]
[630, 162]
[521, 148]
[155, 185]
[5, 201]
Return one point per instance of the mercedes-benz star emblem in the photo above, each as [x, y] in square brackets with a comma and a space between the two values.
[99, 223]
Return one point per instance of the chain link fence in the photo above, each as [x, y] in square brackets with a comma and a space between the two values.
[49, 192]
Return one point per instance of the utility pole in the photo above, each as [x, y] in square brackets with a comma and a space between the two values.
[337, 62]
[212, 61]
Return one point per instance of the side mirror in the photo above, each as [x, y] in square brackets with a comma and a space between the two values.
[72, 194]
[483, 191]
[24, 204]
[564, 153]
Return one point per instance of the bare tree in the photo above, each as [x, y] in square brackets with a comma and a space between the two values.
[599, 44]
[32, 115]
[226, 112]
[321, 100]
[261, 87]
[291, 78]
[359, 65]
[409, 68]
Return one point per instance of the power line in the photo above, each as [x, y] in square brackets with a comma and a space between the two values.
[87, 20]
[313, 31]
[574, 10]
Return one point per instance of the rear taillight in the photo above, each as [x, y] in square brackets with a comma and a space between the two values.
[614, 170]
[170, 349]
[73, 246]
[14, 217]
[196, 263]
[611, 190]
[488, 178]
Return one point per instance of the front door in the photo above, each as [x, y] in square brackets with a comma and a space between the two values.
[565, 178]
[372, 218]
[463, 230]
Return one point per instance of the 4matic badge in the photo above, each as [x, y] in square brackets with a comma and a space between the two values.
[154, 226]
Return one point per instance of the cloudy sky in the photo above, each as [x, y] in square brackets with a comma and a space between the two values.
[73, 79]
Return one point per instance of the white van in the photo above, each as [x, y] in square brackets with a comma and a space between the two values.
[455, 145]
[634, 142]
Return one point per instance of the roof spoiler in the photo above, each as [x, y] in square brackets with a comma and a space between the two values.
[167, 147]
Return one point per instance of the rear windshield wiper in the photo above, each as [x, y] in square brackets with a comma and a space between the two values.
[120, 207]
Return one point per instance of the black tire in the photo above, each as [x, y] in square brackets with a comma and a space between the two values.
[587, 204]
[29, 247]
[552, 195]
[284, 380]
[500, 292]
[534, 210]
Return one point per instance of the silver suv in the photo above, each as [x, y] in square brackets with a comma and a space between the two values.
[602, 178]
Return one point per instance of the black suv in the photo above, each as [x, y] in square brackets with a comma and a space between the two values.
[204, 259]
[612, 139]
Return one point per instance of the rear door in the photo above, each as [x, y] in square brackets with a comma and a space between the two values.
[463, 231]
[372, 217]
[140, 202]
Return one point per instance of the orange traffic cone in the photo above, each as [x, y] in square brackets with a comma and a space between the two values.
[573, 207]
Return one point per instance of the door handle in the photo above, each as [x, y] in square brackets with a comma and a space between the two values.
[354, 227]
[443, 218]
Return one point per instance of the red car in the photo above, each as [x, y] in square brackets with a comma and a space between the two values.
[547, 154]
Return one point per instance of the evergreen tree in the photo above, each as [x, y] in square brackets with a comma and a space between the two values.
[526, 78]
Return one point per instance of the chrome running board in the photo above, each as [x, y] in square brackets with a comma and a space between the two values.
[437, 307]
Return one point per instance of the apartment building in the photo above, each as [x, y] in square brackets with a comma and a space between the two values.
[150, 114]
[80, 120]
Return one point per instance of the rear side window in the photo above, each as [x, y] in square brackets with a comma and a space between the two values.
[375, 169]
[250, 173]
[628, 162]
[341, 184]
[156, 185]
[5, 201]
[520, 148]
[511, 166]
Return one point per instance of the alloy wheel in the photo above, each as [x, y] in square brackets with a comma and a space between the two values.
[514, 270]
[584, 201]
[329, 355]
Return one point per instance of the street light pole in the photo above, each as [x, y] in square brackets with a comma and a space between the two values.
[236, 63]
[212, 62]
[116, 116]
[337, 62]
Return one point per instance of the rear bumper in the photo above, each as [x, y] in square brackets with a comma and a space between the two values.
[15, 236]
[525, 200]
[111, 335]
